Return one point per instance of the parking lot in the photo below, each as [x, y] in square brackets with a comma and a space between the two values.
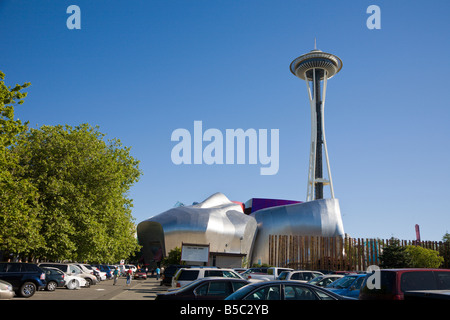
[105, 290]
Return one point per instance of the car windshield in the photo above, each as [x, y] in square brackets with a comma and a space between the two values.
[188, 275]
[315, 280]
[242, 292]
[283, 275]
[255, 270]
[190, 285]
[231, 274]
[77, 269]
[342, 283]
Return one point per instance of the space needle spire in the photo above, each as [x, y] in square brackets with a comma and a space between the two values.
[316, 67]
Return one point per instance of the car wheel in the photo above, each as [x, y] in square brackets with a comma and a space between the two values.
[88, 282]
[51, 286]
[73, 284]
[27, 289]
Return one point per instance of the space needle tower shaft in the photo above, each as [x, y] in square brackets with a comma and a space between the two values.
[316, 67]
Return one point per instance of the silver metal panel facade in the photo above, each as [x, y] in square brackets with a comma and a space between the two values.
[216, 221]
[222, 224]
[314, 218]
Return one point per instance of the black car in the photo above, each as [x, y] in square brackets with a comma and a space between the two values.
[54, 278]
[205, 289]
[284, 290]
[25, 278]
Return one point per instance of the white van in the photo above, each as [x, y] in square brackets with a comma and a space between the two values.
[185, 276]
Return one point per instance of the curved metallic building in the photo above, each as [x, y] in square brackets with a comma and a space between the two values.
[217, 222]
[313, 218]
[224, 226]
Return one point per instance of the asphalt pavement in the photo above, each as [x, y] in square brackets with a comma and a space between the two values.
[105, 290]
[141, 290]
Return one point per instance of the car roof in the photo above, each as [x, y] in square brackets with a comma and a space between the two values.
[414, 269]
[222, 279]
[207, 268]
[355, 275]
[52, 268]
[261, 283]
[17, 263]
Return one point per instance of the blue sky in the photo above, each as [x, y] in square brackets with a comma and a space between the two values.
[141, 69]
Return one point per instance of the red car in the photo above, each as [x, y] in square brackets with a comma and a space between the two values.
[140, 274]
[396, 283]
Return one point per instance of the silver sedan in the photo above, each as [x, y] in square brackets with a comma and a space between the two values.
[6, 290]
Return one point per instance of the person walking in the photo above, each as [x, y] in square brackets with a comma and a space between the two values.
[115, 275]
[158, 271]
[129, 276]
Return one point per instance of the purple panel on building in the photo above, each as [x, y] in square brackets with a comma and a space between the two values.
[256, 204]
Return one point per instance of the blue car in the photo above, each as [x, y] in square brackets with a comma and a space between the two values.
[104, 268]
[26, 278]
[348, 285]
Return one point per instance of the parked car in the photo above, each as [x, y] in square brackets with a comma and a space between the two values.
[124, 268]
[6, 290]
[427, 294]
[169, 272]
[395, 283]
[101, 275]
[240, 270]
[54, 278]
[26, 278]
[264, 274]
[88, 269]
[140, 274]
[326, 279]
[299, 275]
[250, 272]
[75, 282]
[104, 268]
[205, 289]
[185, 276]
[348, 285]
[284, 290]
[72, 269]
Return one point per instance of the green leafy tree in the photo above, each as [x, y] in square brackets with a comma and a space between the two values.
[174, 257]
[394, 255]
[446, 237]
[83, 183]
[423, 257]
[19, 224]
[444, 250]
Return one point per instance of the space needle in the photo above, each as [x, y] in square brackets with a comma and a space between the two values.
[316, 67]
